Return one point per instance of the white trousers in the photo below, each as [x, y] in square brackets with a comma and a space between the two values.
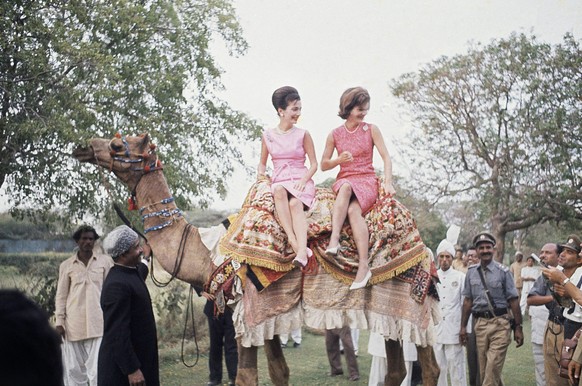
[538, 356]
[295, 335]
[80, 362]
[379, 366]
[451, 360]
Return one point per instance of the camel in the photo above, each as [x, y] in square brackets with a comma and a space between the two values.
[313, 297]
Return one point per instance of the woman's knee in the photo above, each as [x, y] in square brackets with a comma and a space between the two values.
[279, 193]
[295, 204]
[345, 191]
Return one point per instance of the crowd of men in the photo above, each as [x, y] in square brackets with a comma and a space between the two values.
[104, 313]
[480, 309]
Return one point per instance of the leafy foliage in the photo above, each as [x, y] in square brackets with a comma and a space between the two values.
[72, 70]
[500, 125]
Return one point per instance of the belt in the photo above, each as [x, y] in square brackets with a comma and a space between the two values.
[489, 314]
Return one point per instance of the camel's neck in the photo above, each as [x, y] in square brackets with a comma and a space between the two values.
[166, 229]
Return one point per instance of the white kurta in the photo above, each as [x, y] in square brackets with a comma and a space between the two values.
[533, 272]
[448, 351]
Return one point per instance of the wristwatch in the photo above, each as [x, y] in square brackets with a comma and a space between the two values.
[566, 281]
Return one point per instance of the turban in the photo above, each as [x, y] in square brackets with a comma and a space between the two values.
[119, 241]
[446, 246]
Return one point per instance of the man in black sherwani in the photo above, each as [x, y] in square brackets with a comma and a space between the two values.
[129, 350]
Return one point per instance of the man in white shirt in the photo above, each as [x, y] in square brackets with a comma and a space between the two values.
[79, 319]
[448, 350]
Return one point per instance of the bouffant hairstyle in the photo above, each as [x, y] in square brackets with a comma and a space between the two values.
[83, 229]
[283, 96]
[352, 97]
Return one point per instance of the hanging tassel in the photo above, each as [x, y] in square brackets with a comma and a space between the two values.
[131, 203]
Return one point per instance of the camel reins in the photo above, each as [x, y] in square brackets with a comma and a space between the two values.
[125, 157]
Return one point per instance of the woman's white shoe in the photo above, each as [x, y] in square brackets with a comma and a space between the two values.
[362, 284]
[332, 250]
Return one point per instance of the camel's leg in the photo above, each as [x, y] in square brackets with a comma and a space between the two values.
[278, 369]
[396, 370]
[247, 373]
[429, 366]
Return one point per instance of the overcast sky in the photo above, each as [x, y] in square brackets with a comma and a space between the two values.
[322, 47]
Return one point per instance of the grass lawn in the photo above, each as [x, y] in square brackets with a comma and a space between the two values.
[308, 365]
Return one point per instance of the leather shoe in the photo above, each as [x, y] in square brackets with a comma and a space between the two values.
[362, 284]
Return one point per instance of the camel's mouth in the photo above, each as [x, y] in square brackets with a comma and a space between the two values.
[84, 154]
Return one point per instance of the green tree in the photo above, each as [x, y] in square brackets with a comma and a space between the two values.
[500, 125]
[72, 70]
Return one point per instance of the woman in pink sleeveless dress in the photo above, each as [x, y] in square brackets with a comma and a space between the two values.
[356, 186]
[291, 184]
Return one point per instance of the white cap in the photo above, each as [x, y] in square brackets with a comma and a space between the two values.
[446, 246]
[119, 241]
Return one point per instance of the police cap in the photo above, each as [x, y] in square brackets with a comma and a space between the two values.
[484, 237]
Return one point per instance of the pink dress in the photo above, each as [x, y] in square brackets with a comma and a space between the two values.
[288, 156]
[360, 172]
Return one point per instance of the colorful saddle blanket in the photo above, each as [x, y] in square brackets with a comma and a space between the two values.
[256, 239]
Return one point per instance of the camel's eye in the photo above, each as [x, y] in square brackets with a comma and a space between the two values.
[116, 145]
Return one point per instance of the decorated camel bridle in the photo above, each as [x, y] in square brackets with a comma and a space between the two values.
[145, 163]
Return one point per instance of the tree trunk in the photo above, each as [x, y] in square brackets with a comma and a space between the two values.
[499, 234]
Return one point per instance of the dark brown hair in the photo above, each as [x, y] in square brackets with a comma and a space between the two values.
[352, 97]
[283, 96]
[85, 229]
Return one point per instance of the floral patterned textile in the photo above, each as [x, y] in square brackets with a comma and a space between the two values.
[256, 238]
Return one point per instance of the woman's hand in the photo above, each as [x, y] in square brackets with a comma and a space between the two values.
[389, 188]
[345, 156]
[300, 185]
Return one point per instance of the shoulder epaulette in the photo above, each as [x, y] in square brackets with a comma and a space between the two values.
[502, 267]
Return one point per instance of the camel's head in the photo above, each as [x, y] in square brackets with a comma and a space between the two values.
[128, 157]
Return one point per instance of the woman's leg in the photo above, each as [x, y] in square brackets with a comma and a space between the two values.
[299, 228]
[340, 211]
[281, 198]
[361, 238]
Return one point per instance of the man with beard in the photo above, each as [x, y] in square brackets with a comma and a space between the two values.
[542, 294]
[489, 292]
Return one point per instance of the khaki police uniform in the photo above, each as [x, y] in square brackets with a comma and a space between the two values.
[492, 328]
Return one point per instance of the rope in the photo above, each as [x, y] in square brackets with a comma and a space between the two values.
[190, 311]
[178, 261]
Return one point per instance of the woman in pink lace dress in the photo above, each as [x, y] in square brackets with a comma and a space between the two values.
[291, 184]
[356, 186]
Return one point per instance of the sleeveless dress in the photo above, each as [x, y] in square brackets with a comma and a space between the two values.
[360, 172]
[288, 156]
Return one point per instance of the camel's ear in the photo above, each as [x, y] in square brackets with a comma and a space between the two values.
[145, 139]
